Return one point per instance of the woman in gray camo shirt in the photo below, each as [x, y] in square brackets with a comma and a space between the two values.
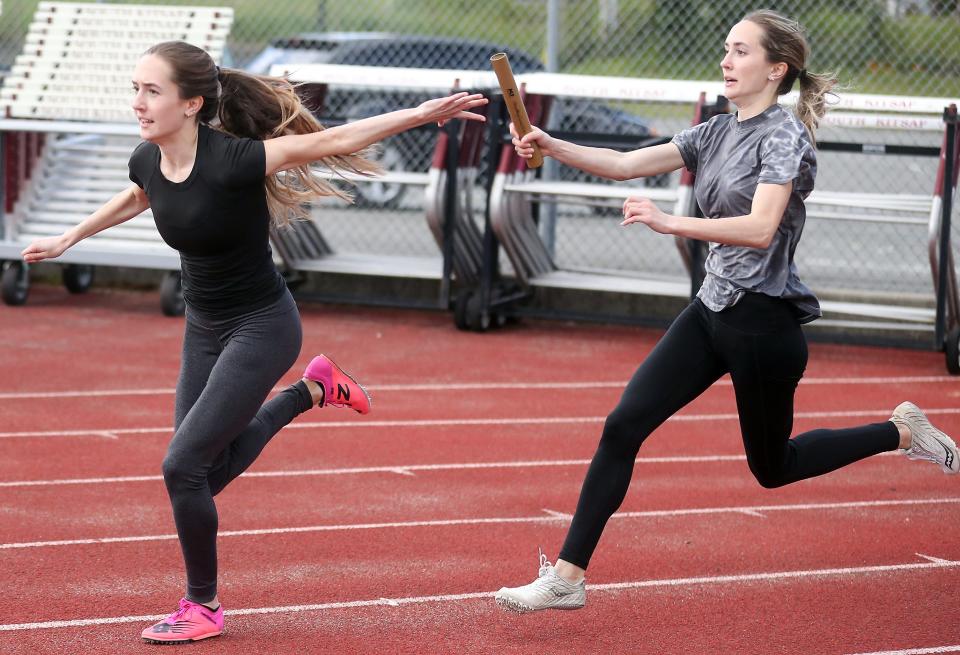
[753, 171]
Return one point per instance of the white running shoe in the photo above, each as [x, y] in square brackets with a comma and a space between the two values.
[927, 442]
[548, 591]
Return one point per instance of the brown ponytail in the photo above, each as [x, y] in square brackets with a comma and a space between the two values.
[259, 107]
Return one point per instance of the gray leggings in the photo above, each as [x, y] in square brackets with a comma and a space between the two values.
[222, 423]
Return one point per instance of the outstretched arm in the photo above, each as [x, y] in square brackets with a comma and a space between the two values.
[604, 162]
[122, 207]
[299, 149]
[754, 230]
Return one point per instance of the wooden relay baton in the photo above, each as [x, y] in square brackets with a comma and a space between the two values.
[511, 96]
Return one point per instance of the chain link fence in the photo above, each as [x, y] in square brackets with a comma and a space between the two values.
[901, 47]
[906, 47]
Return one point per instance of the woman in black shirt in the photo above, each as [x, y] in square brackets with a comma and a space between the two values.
[225, 154]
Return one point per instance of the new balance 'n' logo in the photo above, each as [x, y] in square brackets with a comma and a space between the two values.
[343, 393]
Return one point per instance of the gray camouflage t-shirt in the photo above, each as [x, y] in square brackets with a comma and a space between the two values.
[730, 158]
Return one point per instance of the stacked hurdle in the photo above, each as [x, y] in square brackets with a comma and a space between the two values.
[450, 212]
[517, 193]
[305, 249]
[68, 130]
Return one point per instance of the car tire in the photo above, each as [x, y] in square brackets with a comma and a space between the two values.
[77, 278]
[378, 194]
[952, 351]
[171, 295]
[15, 283]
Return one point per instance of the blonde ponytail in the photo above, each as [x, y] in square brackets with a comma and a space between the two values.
[784, 41]
[812, 104]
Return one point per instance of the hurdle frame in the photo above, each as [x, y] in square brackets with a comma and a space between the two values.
[853, 110]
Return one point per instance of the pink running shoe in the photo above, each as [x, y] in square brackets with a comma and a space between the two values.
[191, 622]
[340, 390]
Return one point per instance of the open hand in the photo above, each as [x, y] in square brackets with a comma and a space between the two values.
[46, 248]
[643, 210]
[441, 110]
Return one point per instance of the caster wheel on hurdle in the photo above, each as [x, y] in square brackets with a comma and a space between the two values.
[477, 319]
[953, 351]
[460, 310]
[77, 278]
[468, 314]
[171, 295]
[15, 283]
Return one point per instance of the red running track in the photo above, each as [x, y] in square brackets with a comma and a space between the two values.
[389, 533]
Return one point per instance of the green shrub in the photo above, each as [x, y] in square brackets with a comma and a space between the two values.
[924, 43]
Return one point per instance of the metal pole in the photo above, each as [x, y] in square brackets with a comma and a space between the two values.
[450, 209]
[553, 35]
[322, 15]
[3, 183]
[940, 327]
[548, 222]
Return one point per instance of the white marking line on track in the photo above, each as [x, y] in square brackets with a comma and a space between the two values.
[546, 420]
[929, 558]
[472, 386]
[551, 517]
[488, 595]
[917, 651]
[404, 469]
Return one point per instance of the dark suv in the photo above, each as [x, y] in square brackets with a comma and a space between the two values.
[412, 150]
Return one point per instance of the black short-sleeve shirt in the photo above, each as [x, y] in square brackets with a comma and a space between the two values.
[218, 220]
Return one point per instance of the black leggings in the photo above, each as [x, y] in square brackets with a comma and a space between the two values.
[759, 342]
[222, 424]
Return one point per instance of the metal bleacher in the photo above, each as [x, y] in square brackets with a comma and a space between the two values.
[68, 130]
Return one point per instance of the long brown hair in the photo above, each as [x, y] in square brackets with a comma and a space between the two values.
[259, 107]
[784, 41]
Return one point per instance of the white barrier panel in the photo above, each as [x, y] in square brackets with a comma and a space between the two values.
[618, 88]
[95, 11]
[386, 78]
[601, 87]
[77, 58]
[882, 121]
[67, 127]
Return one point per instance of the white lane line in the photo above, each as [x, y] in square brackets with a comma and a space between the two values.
[880, 414]
[916, 651]
[359, 423]
[551, 517]
[475, 386]
[488, 595]
[401, 469]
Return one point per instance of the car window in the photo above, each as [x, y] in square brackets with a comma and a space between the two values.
[431, 53]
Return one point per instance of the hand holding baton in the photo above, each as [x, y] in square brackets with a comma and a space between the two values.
[511, 95]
